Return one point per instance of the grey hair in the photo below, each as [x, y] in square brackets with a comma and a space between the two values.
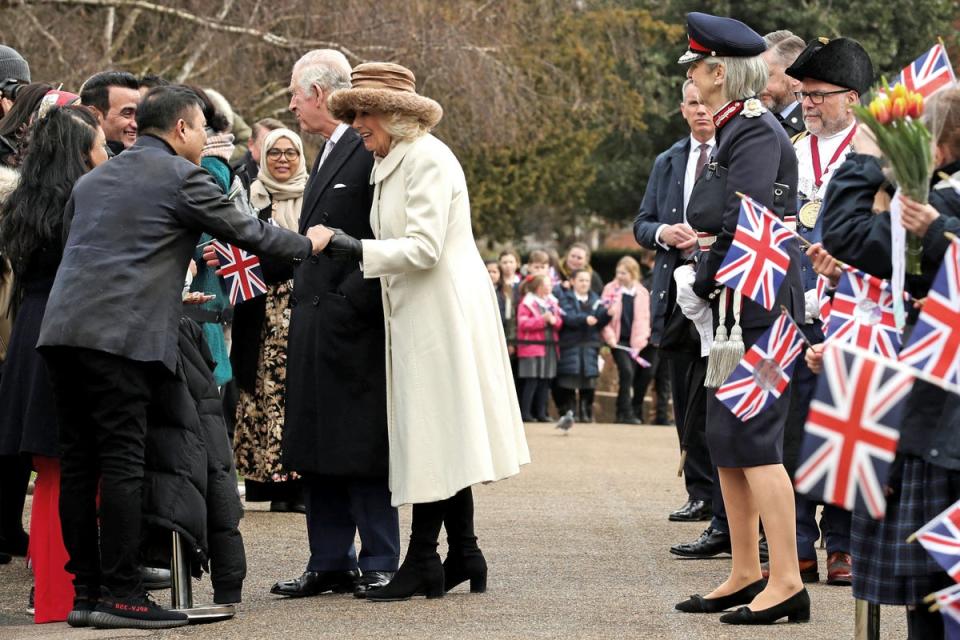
[744, 77]
[326, 68]
[401, 126]
[785, 46]
[683, 90]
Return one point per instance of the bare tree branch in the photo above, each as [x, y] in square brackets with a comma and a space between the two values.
[202, 48]
[128, 24]
[108, 36]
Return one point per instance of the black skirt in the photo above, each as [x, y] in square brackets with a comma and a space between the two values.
[886, 568]
[758, 441]
[28, 422]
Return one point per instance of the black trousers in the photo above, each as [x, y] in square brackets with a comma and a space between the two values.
[14, 478]
[688, 374]
[102, 404]
[338, 509]
[659, 375]
[627, 374]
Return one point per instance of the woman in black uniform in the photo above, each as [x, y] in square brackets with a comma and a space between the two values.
[755, 157]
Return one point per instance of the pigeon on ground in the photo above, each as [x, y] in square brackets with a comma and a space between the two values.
[565, 422]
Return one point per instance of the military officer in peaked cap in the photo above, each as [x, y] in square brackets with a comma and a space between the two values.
[833, 75]
[754, 156]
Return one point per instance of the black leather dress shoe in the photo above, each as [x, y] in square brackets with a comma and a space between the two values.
[693, 511]
[710, 543]
[699, 604]
[796, 608]
[371, 580]
[313, 583]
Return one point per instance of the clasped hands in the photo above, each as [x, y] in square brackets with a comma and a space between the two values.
[327, 240]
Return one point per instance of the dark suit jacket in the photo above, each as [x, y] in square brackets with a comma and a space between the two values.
[336, 411]
[793, 122]
[662, 204]
[134, 223]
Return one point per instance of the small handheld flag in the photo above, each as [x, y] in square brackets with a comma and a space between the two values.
[241, 270]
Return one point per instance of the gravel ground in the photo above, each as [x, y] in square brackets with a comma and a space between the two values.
[577, 546]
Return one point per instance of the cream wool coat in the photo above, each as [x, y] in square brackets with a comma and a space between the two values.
[452, 413]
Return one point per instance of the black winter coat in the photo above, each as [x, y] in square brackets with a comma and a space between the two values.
[190, 484]
[853, 233]
[579, 342]
[336, 405]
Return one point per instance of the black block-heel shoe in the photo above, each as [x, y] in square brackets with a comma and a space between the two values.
[796, 608]
[460, 567]
[416, 577]
[699, 604]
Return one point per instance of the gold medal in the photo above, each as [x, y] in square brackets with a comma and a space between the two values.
[809, 213]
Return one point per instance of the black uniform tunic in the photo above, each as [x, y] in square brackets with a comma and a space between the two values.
[754, 156]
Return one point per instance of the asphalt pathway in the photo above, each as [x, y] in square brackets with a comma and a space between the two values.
[577, 546]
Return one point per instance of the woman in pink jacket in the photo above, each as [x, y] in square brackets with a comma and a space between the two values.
[538, 326]
[627, 332]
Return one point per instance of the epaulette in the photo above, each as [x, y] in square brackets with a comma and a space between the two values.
[798, 137]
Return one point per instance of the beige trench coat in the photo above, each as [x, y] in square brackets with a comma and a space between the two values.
[452, 412]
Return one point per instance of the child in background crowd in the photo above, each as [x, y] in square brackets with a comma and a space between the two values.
[629, 329]
[539, 264]
[538, 321]
[509, 265]
[584, 316]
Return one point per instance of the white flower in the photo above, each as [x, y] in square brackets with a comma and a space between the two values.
[752, 108]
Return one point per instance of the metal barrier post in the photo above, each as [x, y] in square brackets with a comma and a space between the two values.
[181, 589]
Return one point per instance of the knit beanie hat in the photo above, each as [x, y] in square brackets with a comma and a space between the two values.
[12, 65]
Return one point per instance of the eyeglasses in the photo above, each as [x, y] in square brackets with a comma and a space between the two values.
[289, 154]
[816, 97]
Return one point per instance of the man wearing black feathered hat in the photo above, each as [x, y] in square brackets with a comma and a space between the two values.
[834, 74]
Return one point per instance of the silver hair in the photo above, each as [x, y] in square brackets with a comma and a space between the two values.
[683, 90]
[784, 46]
[401, 126]
[326, 68]
[744, 77]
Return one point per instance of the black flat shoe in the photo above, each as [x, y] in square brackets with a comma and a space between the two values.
[699, 604]
[313, 583]
[796, 608]
[693, 511]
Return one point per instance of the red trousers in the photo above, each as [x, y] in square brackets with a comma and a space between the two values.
[53, 595]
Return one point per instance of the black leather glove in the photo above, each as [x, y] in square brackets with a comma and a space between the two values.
[343, 247]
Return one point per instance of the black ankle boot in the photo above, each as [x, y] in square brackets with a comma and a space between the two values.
[462, 565]
[464, 560]
[420, 575]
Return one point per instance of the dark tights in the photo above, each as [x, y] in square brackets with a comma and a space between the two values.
[533, 399]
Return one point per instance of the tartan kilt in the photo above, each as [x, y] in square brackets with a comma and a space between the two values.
[887, 569]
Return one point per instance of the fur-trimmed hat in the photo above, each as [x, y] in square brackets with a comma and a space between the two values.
[383, 87]
[842, 62]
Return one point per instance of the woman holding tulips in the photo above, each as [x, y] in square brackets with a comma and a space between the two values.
[754, 156]
[925, 478]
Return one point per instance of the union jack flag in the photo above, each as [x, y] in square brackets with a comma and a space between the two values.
[862, 314]
[941, 538]
[241, 270]
[934, 345]
[852, 430]
[929, 73]
[764, 372]
[949, 601]
[823, 297]
[757, 261]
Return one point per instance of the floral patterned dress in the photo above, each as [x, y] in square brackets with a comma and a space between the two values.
[260, 414]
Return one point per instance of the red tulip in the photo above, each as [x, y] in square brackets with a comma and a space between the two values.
[899, 109]
[915, 105]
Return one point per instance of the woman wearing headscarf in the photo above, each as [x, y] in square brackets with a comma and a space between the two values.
[754, 157]
[452, 412]
[259, 351]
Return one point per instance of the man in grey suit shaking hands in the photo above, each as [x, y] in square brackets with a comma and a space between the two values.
[110, 335]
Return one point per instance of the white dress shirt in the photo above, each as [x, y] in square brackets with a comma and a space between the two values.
[332, 141]
[689, 178]
[827, 146]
